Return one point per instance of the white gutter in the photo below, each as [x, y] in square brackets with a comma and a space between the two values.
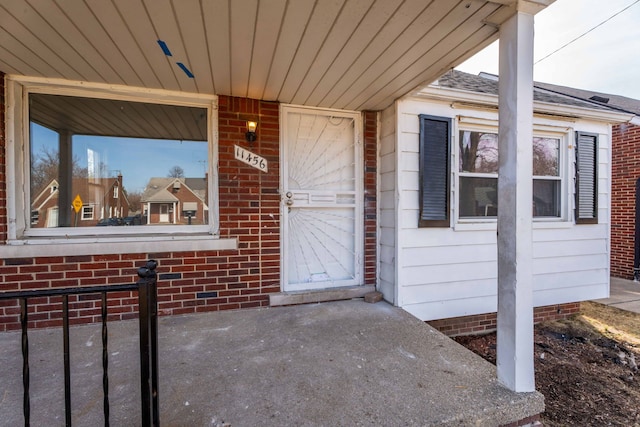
[485, 100]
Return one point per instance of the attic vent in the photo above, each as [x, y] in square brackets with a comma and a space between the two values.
[599, 99]
[176, 185]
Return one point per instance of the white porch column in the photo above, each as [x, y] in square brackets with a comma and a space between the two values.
[515, 299]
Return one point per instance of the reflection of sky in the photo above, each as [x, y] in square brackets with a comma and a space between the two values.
[487, 149]
[136, 159]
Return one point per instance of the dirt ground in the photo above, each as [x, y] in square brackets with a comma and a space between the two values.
[586, 367]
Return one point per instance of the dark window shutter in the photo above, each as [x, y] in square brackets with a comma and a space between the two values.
[435, 137]
[586, 178]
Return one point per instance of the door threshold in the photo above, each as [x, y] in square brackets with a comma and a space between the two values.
[306, 297]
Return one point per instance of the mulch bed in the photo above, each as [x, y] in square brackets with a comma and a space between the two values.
[586, 378]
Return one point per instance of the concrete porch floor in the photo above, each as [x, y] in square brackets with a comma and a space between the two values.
[345, 363]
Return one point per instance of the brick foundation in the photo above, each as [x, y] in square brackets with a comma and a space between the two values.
[485, 323]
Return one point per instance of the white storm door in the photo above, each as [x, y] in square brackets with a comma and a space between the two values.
[322, 225]
[52, 217]
[164, 213]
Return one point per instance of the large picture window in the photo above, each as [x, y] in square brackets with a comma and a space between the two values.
[126, 159]
[112, 165]
[478, 175]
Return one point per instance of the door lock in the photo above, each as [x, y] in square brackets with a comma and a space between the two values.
[289, 201]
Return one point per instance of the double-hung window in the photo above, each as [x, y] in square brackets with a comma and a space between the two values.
[87, 213]
[475, 164]
[89, 160]
[547, 177]
[478, 175]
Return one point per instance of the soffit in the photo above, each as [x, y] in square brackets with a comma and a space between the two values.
[350, 54]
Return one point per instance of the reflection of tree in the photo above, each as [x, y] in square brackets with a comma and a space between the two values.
[545, 157]
[45, 166]
[469, 151]
[135, 199]
[479, 152]
[176, 172]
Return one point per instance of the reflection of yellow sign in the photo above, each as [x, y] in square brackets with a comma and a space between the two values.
[77, 203]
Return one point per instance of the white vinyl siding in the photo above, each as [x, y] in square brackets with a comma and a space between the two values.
[387, 217]
[450, 272]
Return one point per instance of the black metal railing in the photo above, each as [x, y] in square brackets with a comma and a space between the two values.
[148, 316]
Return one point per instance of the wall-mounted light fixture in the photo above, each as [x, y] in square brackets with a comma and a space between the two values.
[250, 136]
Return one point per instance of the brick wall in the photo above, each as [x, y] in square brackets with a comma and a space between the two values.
[370, 122]
[189, 282]
[625, 171]
[485, 323]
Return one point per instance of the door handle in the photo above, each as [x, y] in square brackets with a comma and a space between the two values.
[289, 200]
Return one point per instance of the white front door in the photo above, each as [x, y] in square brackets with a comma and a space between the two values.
[322, 225]
[52, 217]
[164, 213]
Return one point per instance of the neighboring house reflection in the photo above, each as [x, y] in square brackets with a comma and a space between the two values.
[101, 198]
[175, 201]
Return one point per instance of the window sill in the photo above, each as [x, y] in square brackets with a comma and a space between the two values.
[492, 225]
[485, 225]
[105, 245]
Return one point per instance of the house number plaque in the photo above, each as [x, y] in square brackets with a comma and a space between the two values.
[250, 158]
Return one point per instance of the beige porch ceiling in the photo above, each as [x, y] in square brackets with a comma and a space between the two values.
[351, 54]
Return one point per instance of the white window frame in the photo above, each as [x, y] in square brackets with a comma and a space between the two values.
[112, 239]
[563, 155]
[87, 209]
[564, 134]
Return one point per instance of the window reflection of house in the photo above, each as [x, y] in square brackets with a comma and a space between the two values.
[101, 198]
[175, 201]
